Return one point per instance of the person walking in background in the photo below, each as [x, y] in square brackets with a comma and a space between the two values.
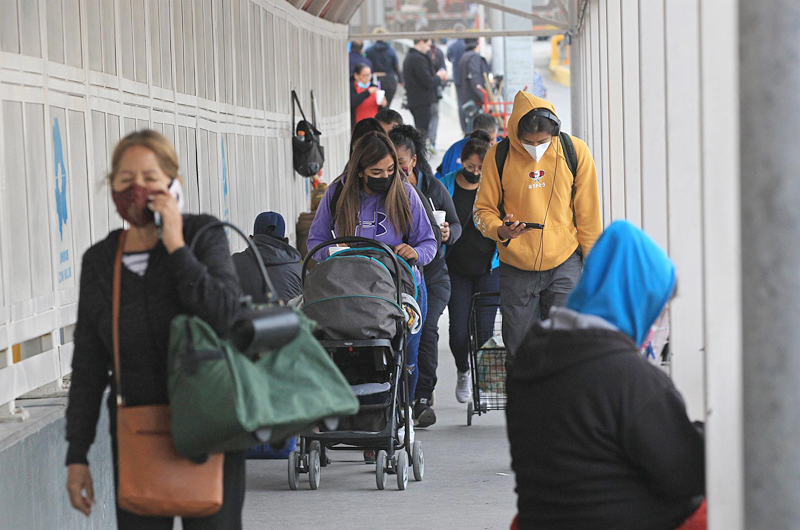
[283, 261]
[412, 157]
[160, 279]
[470, 74]
[436, 56]
[356, 56]
[484, 127]
[472, 263]
[389, 119]
[386, 65]
[543, 217]
[600, 437]
[421, 80]
[455, 49]
[363, 95]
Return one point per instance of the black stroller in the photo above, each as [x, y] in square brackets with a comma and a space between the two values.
[359, 297]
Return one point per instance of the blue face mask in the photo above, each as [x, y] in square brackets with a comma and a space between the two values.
[363, 85]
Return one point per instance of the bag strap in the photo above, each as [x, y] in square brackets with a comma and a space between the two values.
[296, 101]
[313, 111]
[115, 296]
[269, 289]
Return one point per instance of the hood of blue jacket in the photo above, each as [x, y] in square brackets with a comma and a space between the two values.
[627, 280]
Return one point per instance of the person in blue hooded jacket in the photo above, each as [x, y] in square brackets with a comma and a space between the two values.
[600, 437]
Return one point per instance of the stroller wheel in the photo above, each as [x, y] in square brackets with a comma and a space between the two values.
[313, 468]
[470, 412]
[380, 469]
[402, 469]
[418, 461]
[293, 470]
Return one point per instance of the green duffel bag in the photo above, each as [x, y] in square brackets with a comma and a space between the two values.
[223, 400]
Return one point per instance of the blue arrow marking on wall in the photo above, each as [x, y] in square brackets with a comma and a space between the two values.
[224, 171]
[61, 180]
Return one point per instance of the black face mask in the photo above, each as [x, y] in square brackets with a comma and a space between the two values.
[378, 185]
[472, 178]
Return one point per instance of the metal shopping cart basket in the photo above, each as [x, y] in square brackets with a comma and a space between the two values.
[487, 355]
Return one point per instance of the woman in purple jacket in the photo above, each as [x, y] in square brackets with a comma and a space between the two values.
[377, 204]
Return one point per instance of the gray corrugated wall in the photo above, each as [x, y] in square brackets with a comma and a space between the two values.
[214, 76]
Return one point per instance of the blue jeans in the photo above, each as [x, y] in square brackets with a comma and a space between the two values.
[461, 291]
[413, 342]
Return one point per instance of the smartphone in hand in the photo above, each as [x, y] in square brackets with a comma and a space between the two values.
[176, 190]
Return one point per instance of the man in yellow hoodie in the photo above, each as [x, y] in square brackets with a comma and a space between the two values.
[544, 218]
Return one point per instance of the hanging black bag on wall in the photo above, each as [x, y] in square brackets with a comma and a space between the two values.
[307, 152]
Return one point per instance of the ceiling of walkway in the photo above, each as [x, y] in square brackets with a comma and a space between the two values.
[339, 11]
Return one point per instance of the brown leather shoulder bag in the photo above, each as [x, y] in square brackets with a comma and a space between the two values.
[153, 478]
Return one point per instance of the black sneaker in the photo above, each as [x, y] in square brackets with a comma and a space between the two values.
[424, 416]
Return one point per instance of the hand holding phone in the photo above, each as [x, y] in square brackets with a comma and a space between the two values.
[511, 229]
[536, 226]
[167, 205]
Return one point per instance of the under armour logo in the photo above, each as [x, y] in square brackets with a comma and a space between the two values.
[378, 222]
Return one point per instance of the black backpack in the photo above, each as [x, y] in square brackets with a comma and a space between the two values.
[308, 155]
[568, 147]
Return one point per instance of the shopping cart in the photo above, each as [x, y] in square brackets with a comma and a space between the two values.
[487, 355]
[494, 106]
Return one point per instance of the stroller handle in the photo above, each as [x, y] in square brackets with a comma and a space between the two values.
[360, 240]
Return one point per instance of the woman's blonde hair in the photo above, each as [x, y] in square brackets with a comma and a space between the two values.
[155, 142]
[368, 151]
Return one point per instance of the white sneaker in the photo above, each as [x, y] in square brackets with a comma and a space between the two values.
[464, 387]
[401, 433]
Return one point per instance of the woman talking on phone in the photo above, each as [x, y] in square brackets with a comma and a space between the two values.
[159, 278]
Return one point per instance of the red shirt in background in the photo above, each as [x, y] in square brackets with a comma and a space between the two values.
[369, 107]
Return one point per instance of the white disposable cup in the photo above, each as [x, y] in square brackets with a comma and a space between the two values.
[440, 216]
[380, 94]
[334, 250]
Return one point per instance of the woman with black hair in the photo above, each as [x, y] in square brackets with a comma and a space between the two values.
[472, 262]
[410, 147]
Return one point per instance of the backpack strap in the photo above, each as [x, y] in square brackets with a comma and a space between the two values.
[572, 163]
[335, 200]
[500, 155]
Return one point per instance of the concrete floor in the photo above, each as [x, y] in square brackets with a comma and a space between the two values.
[468, 481]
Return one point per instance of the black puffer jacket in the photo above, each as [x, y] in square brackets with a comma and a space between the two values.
[599, 437]
[283, 267]
[384, 59]
[201, 283]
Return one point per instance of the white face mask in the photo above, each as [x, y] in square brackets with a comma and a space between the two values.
[537, 151]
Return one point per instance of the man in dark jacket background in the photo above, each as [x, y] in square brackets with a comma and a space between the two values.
[437, 57]
[356, 56]
[386, 65]
[421, 79]
[284, 264]
[470, 75]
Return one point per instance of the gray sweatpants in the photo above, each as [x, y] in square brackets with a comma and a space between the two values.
[527, 296]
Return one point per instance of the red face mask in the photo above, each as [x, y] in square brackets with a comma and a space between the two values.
[132, 205]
